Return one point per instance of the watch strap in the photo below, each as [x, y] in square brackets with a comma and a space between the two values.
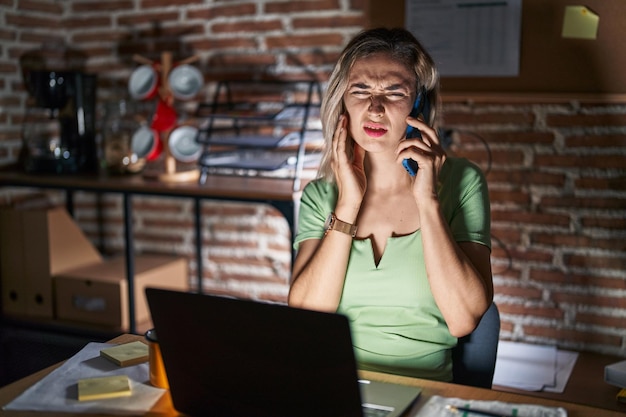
[340, 226]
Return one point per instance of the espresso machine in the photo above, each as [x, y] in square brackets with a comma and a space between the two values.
[59, 133]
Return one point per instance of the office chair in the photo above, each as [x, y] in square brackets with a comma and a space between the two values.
[474, 357]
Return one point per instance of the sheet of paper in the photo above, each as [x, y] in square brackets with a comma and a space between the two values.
[58, 391]
[525, 366]
[468, 37]
[565, 362]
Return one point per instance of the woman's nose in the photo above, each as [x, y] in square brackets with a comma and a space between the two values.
[376, 105]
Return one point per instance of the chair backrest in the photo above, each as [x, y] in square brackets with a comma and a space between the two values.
[474, 357]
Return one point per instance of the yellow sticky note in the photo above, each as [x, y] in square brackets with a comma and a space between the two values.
[103, 387]
[580, 23]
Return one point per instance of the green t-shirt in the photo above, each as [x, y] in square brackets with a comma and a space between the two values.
[396, 324]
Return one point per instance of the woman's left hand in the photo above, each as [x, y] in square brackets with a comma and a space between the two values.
[429, 155]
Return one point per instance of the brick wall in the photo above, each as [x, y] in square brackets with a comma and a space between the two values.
[556, 166]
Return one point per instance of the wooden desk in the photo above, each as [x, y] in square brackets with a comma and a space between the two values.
[430, 388]
[586, 384]
[276, 192]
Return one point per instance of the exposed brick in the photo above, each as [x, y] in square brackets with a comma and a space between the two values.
[328, 22]
[247, 26]
[530, 255]
[614, 223]
[143, 18]
[583, 280]
[506, 326]
[29, 22]
[606, 203]
[522, 217]
[526, 293]
[40, 6]
[100, 36]
[312, 40]
[563, 120]
[596, 141]
[284, 7]
[595, 261]
[506, 234]
[153, 238]
[577, 241]
[39, 37]
[86, 22]
[575, 161]
[601, 320]
[525, 177]
[523, 310]
[223, 43]
[109, 5]
[150, 4]
[512, 118]
[242, 60]
[617, 184]
[510, 197]
[7, 35]
[590, 336]
[7, 67]
[525, 137]
[588, 299]
[225, 10]
[313, 58]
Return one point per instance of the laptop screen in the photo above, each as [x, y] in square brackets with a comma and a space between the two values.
[231, 357]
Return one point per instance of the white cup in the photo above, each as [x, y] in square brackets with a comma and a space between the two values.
[183, 145]
[185, 81]
[143, 83]
[146, 143]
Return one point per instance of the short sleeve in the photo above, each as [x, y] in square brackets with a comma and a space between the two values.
[319, 198]
[465, 201]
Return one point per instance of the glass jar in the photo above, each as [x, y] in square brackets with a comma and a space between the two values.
[121, 120]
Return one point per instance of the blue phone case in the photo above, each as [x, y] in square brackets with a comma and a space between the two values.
[420, 106]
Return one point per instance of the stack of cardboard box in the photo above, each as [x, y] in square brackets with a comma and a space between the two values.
[50, 271]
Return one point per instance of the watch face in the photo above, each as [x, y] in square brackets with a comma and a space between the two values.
[329, 221]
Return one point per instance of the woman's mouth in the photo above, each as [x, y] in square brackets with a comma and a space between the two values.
[374, 131]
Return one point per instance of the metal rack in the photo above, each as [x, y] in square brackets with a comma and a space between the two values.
[265, 128]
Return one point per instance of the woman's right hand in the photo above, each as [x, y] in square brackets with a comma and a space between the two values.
[349, 173]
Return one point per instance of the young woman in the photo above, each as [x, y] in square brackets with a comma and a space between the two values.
[405, 258]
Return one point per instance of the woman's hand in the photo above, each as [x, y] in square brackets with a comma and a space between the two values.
[349, 173]
[429, 156]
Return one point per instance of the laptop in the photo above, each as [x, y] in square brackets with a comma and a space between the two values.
[231, 357]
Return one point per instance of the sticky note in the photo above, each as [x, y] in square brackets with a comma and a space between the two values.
[127, 354]
[103, 387]
[580, 23]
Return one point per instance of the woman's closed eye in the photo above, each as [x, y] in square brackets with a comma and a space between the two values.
[395, 96]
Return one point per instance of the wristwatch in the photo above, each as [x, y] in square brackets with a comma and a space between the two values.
[333, 223]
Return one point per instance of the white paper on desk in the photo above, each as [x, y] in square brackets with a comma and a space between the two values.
[58, 391]
[525, 366]
[436, 407]
[565, 362]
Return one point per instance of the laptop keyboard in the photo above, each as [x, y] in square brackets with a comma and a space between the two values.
[375, 411]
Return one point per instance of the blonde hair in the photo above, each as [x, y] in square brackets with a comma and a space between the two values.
[402, 47]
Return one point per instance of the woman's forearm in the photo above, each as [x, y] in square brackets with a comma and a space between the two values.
[319, 272]
[459, 274]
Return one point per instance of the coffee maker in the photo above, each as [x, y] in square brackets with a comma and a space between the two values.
[59, 134]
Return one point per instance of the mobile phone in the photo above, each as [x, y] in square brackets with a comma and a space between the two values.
[420, 106]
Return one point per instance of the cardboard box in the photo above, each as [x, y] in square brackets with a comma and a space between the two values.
[98, 294]
[36, 244]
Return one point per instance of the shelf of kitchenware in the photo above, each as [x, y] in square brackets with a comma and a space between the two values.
[268, 127]
[166, 82]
